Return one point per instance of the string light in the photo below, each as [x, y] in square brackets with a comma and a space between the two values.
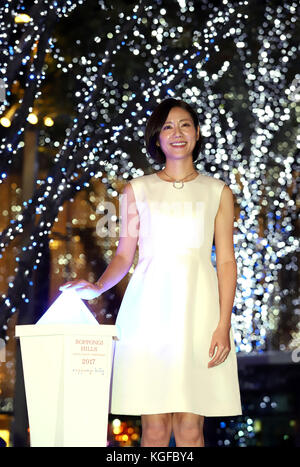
[111, 111]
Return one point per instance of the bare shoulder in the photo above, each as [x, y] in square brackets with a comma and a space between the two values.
[129, 225]
[129, 192]
[227, 197]
[127, 188]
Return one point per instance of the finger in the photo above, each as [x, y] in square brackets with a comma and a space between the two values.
[65, 286]
[215, 360]
[74, 285]
[81, 287]
[220, 355]
[212, 349]
[224, 355]
[220, 358]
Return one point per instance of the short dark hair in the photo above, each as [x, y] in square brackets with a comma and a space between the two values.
[155, 124]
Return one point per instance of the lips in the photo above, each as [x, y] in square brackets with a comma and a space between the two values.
[178, 144]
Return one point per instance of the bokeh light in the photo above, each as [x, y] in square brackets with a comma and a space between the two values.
[242, 78]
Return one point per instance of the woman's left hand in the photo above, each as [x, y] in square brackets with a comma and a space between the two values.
[220, 341]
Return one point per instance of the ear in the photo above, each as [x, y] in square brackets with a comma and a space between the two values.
[157, 143]
[198, 132]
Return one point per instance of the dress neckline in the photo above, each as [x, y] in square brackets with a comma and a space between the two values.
[166, 181]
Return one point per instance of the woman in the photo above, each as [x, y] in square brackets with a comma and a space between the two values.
[175, 362]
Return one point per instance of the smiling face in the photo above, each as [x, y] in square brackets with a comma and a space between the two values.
[178, 135]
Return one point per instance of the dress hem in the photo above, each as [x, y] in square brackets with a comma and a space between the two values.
[203, 413]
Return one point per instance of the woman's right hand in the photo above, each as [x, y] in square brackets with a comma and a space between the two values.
[85, 290]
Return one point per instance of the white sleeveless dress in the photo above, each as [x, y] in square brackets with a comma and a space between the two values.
[170, 308]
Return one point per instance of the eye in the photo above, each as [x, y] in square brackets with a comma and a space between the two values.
[166, 127]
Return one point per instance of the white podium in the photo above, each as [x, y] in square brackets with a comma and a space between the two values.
[67, 360]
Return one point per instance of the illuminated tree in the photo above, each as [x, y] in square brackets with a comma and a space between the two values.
[236, 62]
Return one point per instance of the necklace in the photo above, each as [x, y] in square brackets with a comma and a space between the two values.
[178, 183]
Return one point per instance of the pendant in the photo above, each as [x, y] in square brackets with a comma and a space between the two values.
[178, 185]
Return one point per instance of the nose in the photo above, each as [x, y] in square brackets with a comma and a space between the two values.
[177, 130]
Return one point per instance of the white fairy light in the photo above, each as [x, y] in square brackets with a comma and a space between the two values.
[249, 165]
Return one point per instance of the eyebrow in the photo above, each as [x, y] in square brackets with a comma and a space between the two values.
[189, 119]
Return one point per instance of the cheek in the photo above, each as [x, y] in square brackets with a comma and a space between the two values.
[192, 136]
[163, 140]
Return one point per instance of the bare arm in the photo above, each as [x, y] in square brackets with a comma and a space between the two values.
[225, 258]
[124, 256]
[227, 276]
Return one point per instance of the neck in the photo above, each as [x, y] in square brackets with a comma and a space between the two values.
[179, 169]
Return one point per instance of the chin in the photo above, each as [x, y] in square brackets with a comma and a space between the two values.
[177, 155]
